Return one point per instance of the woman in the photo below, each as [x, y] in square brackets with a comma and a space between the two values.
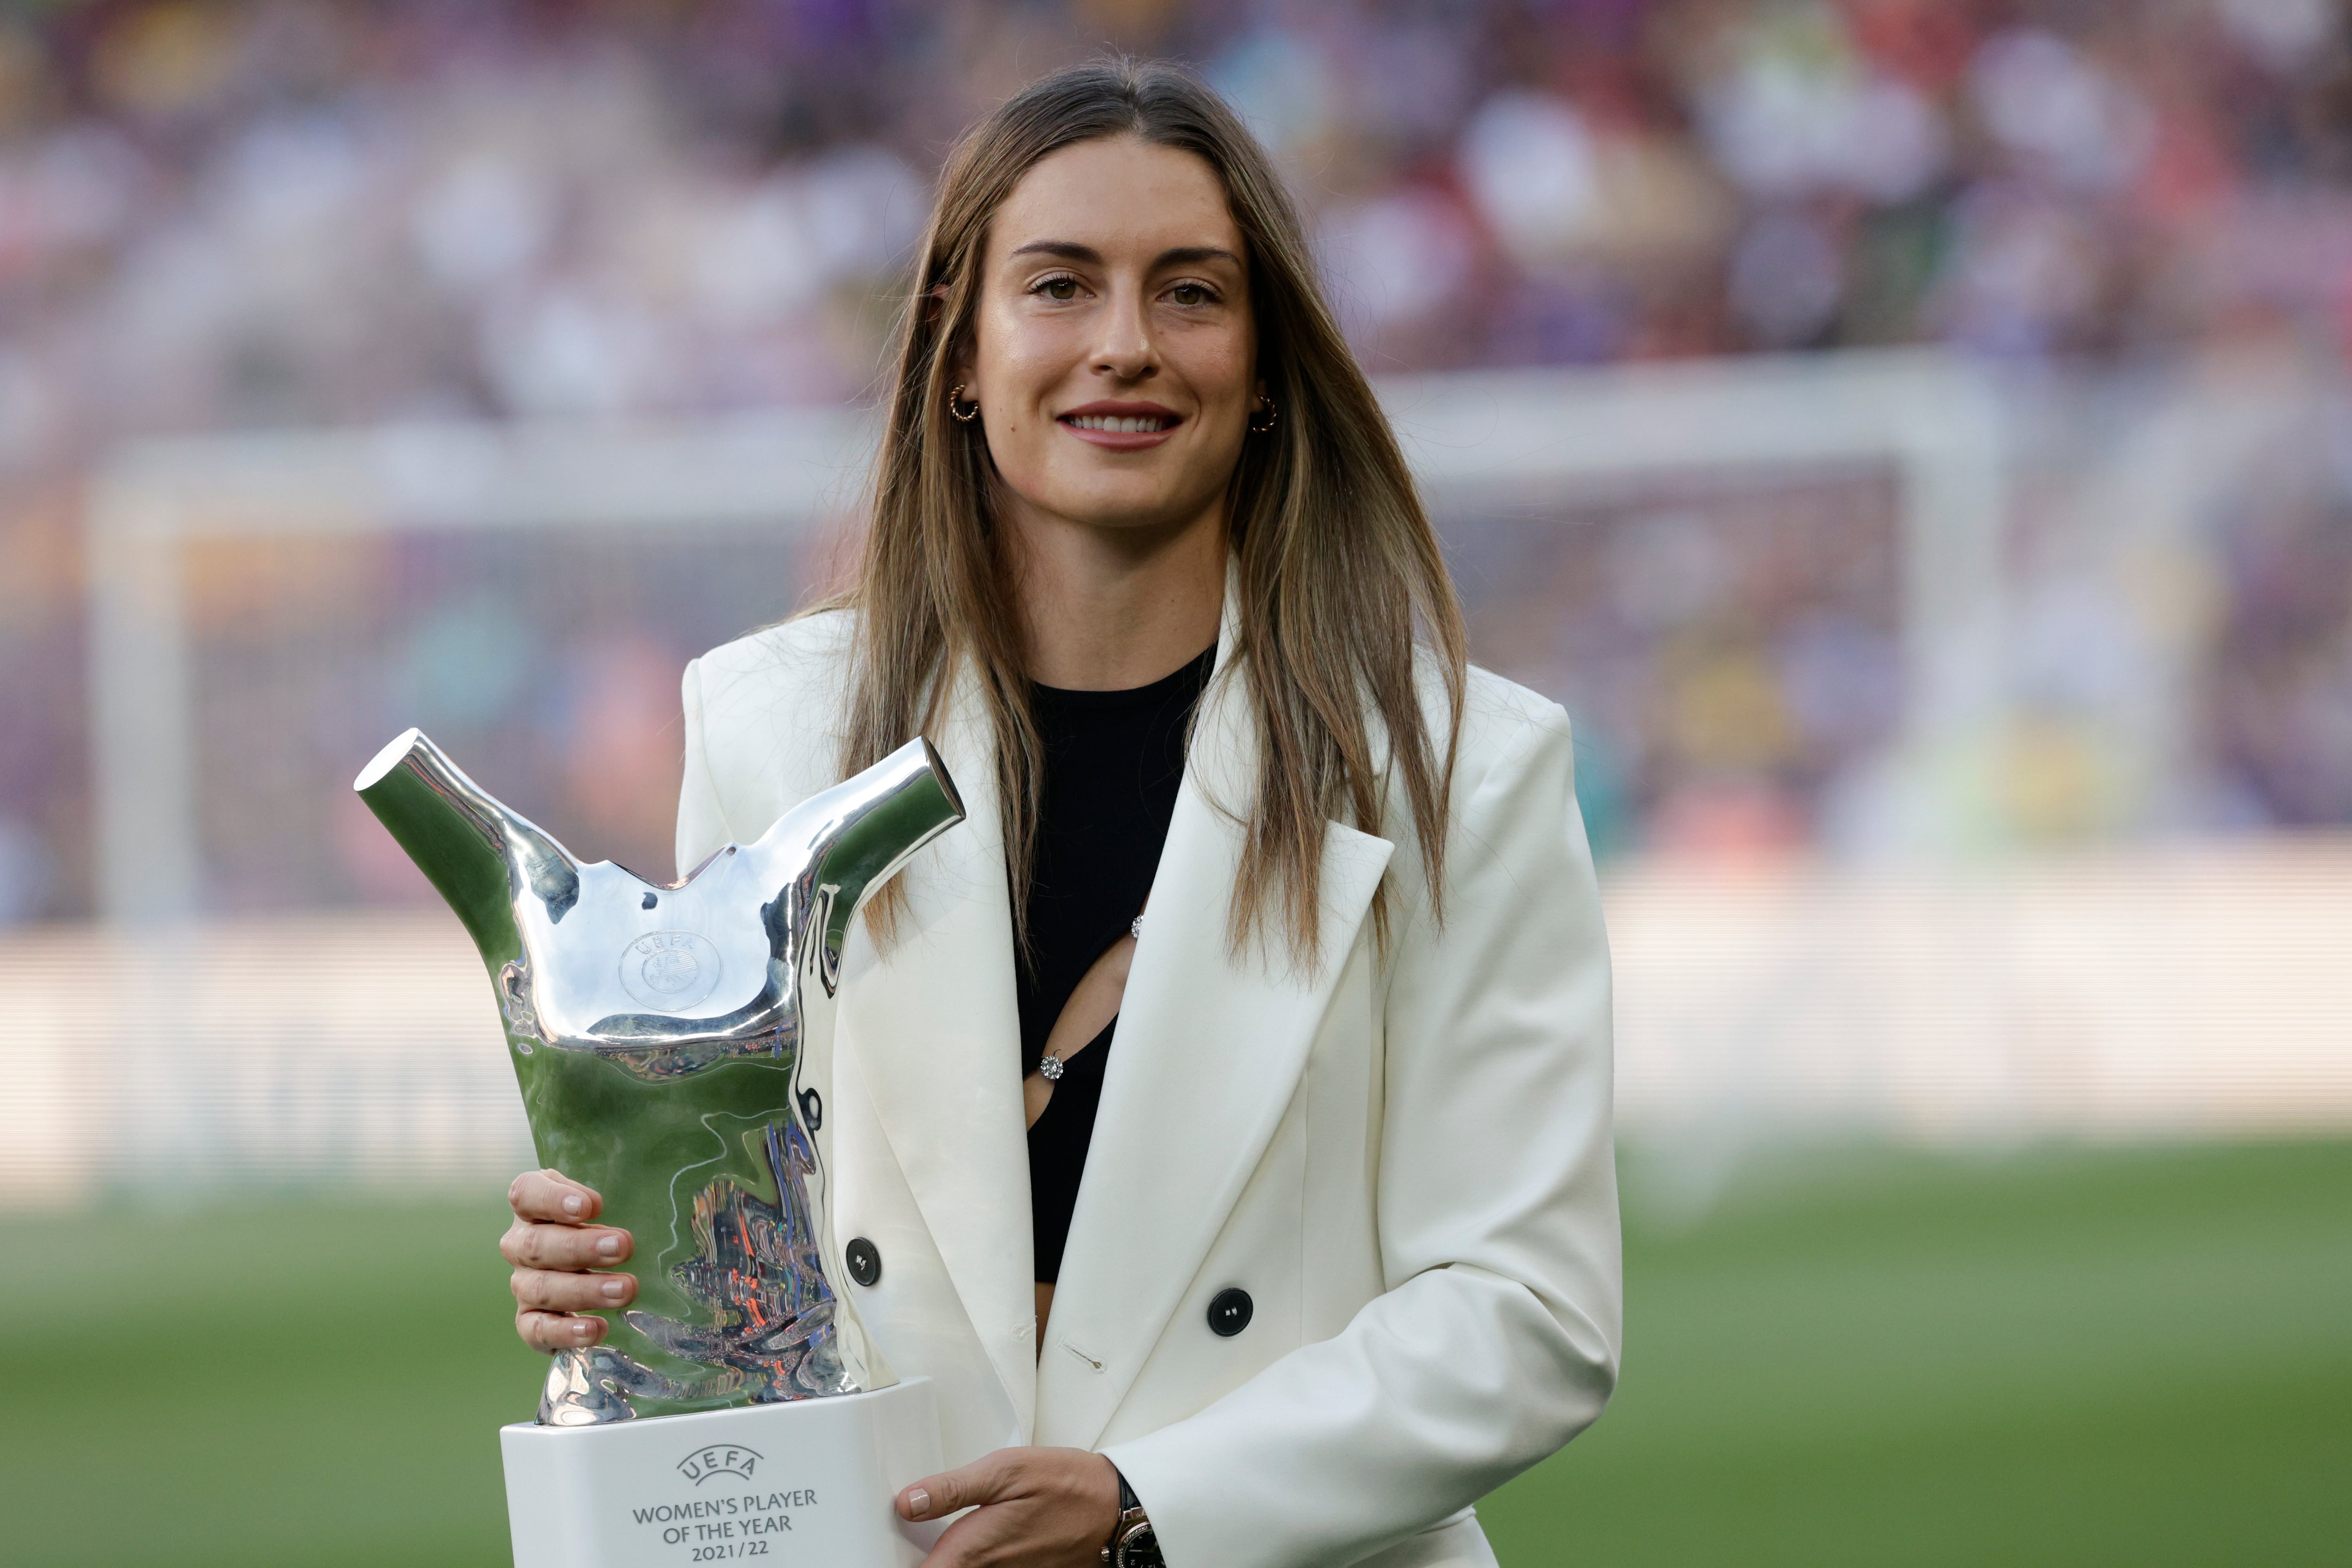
[1145, 563]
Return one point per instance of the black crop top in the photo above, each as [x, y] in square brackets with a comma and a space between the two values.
[1113, 760]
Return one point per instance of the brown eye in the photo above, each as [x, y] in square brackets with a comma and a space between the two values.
[1062, 289]
[1189, 294]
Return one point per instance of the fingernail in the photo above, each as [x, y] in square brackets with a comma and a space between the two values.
[919, 1501]
[609, 1247]
[615, 1288]
[583, 1329]
[572, 1205]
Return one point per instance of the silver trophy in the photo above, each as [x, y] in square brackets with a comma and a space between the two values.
[673, 1045]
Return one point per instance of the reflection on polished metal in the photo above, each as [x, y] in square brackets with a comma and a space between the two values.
[674, 1045]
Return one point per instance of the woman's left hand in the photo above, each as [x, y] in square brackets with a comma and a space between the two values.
[1039, 1507]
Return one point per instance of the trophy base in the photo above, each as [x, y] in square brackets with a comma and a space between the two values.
[808, 1484]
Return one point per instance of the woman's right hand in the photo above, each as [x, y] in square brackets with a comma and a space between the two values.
[559, 1256]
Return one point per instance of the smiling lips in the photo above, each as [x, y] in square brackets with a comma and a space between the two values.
[1112, 422]
[1121, 426]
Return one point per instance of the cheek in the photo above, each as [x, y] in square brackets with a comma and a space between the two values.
[1219, 365]
[1019, 363]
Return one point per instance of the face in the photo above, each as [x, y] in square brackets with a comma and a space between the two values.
[1114, 355]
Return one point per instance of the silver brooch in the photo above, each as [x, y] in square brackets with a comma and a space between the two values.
[1052, 1068]
[1135, 928]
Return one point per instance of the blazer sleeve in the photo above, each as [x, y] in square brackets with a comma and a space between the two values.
[701, 821]
[1497, 1337]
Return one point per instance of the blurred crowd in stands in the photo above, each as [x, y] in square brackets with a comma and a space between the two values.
[220, 215]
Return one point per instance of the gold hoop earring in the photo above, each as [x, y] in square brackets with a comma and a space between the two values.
[1271, 414]
[963, 412]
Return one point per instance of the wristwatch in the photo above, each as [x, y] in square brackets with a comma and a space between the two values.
[1131, 1545]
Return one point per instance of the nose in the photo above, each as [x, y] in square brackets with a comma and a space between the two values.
[1127, 349]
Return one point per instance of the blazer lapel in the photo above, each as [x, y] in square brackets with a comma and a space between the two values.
[1209, 1050]
[938, 1030]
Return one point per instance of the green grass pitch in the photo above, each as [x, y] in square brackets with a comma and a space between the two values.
[2139, 1356]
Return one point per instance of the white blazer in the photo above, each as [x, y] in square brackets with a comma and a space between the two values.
[1404, 1159]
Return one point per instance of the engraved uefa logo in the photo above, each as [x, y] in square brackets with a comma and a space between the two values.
[669, 970]
[719, 1458]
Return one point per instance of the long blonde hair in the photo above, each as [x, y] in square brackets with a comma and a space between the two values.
[1338, 562]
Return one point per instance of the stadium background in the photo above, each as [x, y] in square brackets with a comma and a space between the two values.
[1977, 876]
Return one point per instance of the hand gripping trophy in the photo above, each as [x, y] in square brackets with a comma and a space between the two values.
[674, 1045]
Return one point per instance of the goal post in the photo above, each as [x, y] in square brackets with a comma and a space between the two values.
[1930, 419]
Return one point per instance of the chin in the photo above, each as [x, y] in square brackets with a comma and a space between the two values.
[1115, 516]
[1120, 506]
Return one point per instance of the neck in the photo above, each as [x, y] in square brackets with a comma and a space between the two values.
[1110, 608]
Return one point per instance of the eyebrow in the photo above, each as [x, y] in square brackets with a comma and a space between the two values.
[1183, 255]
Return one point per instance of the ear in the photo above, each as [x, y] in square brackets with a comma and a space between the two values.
[960, 363]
